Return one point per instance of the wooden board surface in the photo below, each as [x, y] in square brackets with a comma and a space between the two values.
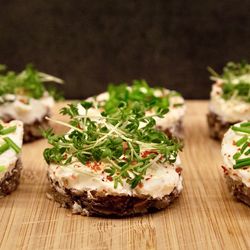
[204, 217]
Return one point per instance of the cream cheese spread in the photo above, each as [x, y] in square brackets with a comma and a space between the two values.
[160, 180]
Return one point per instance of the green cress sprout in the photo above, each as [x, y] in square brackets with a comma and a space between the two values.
[118, 140]
[242, 156]
[139, 92]
[235, 80]
[29, 82]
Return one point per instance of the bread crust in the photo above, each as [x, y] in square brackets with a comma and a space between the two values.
[33, 131]
[98, 203]
[11, 179]
[238, 189]
[217, 127]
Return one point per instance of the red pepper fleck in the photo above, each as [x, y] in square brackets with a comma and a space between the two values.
[93, 165]
[225, 170]
[234, 143]
[140, 185]
[110, 178]
[178, 170]
[148, 152]
[124, 146]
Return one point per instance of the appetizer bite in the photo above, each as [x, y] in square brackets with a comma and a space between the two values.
[230, 98]
[112, 165]
[151, 98]
[24, 97]
[236, 156]
[11, 138]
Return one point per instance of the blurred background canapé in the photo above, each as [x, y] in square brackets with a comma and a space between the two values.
[93, 43]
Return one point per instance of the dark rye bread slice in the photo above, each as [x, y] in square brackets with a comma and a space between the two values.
[32, 131]
[238, 189]
[11, 180]
[95, 203]
[217, 127]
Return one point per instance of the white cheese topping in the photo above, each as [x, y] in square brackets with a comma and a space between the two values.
[8, 158]
[25, 109]
[229, 148]
[233, 110]
[160, 179]
[170, 120]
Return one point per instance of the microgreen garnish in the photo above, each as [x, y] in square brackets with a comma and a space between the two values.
[29, 82]
[244, 145]
[235, 80]
[118, 140]
[141, 93]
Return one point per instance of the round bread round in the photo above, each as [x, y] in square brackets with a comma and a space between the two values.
[88, 190]
[112, 165]
[98, 203]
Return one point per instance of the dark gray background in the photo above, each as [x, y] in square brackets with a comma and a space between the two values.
[92, 43]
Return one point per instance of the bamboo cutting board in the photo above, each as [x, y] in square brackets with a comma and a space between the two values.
[204, 217]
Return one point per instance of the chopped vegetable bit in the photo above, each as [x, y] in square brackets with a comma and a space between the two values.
[4, 148]
[12, 145]
[7, 130]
